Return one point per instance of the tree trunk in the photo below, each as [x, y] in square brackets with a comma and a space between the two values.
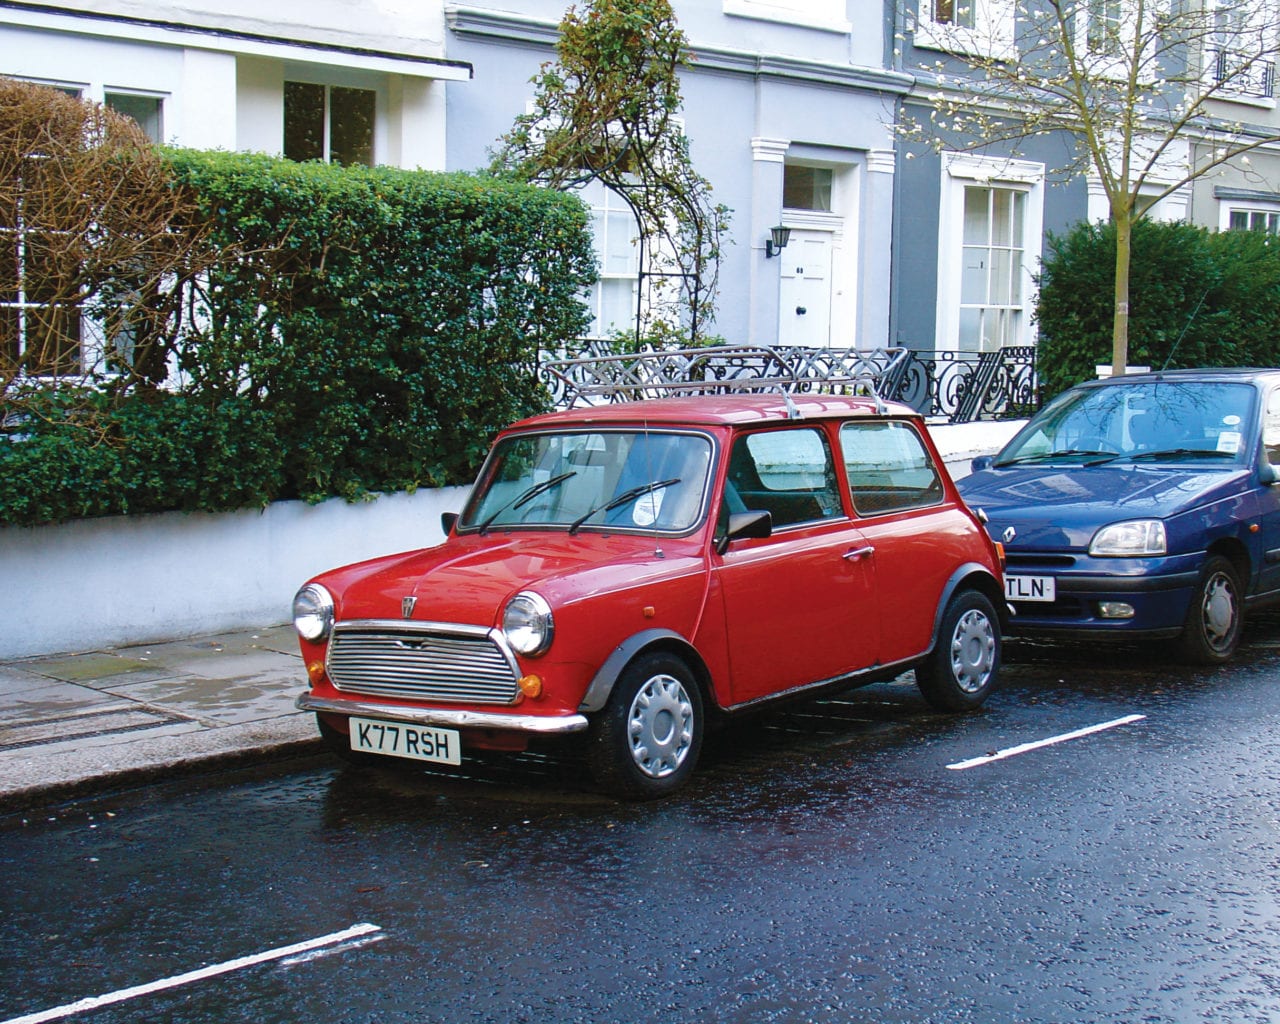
[1120, 321]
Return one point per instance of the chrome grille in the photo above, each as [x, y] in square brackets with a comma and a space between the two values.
[445, 663]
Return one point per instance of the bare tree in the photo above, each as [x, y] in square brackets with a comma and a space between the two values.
[92, 232]
[1136, 85]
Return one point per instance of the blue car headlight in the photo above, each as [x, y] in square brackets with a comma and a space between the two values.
[1132, 539]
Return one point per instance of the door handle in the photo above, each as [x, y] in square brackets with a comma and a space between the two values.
[857, 553]
[801, 311]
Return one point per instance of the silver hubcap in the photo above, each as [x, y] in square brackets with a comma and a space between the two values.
[660, 726]
[973, 651]
[1219, 610]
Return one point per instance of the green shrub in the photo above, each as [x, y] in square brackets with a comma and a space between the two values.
[1197, 298]
[368, 330]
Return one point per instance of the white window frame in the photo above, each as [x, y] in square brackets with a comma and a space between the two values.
[329, 83]
[14, 240]
[157, 135]
[1250, 40]
[1104, 61]
[604, 204]
[991, 34]
[825, 15]
[1228, 206]
[962, 170]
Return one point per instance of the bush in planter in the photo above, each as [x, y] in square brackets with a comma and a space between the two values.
[82, 453]
[367, 330]
[1197, 298]
[395, 315]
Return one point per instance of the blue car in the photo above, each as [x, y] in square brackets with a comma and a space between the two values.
[1142, 506]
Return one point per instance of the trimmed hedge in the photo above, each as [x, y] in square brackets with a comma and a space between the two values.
[366, 331]
[1197, 298]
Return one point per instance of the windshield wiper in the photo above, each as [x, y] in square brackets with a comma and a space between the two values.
[1046, 456]
[527, 496]
[622, 499]
[1178, 453]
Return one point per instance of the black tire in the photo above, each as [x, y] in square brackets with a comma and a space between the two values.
[964, 664]
[339, 744]
[646, 741]
[1215, 618]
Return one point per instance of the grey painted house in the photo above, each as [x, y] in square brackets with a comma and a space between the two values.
[788, 109]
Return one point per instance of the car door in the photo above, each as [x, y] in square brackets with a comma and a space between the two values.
[798, 605]
[902, 512]
[1269, 496]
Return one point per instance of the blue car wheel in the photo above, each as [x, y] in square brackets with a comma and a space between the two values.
[1214, 621]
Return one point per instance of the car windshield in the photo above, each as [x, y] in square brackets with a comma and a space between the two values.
[648, 481]
[1151, 421]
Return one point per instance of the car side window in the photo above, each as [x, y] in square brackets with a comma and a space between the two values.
[1271, 427]
[888, 467]
[788, 473]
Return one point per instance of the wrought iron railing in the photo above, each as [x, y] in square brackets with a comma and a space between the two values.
[964, 386]
[960, 386]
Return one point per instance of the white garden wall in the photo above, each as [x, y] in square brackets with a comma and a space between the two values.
[136, 579]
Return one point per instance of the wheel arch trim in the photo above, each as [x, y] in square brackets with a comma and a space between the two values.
[597, 695]
[976, 576]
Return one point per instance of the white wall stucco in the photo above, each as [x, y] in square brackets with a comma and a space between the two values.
[134, 579]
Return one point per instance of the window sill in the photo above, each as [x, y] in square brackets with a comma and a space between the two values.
[963, 41]
[758, 11]
[1243, 99]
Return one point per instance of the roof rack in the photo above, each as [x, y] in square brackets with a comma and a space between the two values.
[724, 369]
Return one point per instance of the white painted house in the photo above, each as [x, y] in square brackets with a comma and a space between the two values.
[324, 79]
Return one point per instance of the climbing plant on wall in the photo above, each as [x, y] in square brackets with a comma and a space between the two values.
[608, 110]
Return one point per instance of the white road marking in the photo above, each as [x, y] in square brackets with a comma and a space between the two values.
[1000, 755]
[94, 1002]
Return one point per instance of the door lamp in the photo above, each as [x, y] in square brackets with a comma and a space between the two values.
[777, 241]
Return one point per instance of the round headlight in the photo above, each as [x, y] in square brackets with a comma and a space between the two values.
[313, 612]
[528, 624]
[1131, 539]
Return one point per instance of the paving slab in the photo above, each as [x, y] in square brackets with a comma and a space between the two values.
[79, 724]
[76, 668]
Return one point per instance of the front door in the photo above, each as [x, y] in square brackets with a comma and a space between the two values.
[804, 294]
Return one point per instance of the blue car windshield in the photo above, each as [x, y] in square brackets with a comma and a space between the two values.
[604, 479]
[1149, 421]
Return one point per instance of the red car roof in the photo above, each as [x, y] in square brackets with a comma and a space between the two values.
[725, 410]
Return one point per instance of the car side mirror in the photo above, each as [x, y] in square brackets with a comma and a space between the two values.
[981, 462]
[448, 520]
[754, 525]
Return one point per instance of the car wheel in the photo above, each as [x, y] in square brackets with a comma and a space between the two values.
[962, 668]
[339, 744]
[646, 741]
[1215, 619]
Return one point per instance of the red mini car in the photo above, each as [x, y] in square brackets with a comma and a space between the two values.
[629, 572]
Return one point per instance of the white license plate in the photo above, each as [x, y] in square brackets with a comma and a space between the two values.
[398, 739]
[1030, 588]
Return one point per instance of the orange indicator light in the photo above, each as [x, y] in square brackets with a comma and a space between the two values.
[649, 611]
[531, 685]
[315, 671]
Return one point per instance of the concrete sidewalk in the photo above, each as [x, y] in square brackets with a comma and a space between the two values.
[74, 724]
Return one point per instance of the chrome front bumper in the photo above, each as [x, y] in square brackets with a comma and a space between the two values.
[542, 724]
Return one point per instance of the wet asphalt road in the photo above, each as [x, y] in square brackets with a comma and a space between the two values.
[824, 865]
